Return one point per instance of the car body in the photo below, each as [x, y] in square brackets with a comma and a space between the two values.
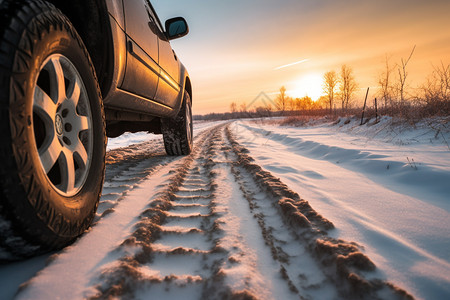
[140, 76]
[71, 74]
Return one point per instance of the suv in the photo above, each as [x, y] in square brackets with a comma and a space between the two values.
[71, 74]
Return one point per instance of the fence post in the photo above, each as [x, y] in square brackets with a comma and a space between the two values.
[376, 111]
[364, 108]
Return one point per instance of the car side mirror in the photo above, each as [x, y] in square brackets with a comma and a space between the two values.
[176, 28]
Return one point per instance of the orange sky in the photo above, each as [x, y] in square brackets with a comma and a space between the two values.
[235, 46]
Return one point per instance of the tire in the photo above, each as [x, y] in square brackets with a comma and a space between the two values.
[178, 133]
[52, 128]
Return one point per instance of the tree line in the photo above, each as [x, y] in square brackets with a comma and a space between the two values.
[394, 94]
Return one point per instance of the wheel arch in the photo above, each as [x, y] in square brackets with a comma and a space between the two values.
[188, 86]
[91, 20]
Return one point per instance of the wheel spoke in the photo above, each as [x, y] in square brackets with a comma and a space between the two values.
[83, 123]
[67, 170]
[50, 154]
[43, 104]
[74, 93]
[81, 153]
[79, 124]
[57, 80]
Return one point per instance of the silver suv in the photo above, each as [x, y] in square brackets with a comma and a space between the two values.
[71, 74]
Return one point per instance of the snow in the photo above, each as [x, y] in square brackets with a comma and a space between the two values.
[259, 270]
[91, 252]
[78, 262]
[258, 274]
[384, 187]
[128, 138]
[359, 178]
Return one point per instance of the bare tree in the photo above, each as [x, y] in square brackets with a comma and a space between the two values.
[291, 104]
[233, 107]
[442, 74]
[243, 107]
[403, 74]
[330, 80]
[322, 102]
[437, 87]
[264, 111]
[282, 100]
[384, 80]
[347, 86]
[304, 103]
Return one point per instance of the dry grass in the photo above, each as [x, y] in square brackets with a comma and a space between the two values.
[408, 113]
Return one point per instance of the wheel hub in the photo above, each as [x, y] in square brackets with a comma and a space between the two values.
[59, 125]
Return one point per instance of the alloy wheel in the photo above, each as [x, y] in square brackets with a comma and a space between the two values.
[62, 124]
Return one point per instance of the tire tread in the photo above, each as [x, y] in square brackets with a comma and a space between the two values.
[174, 132]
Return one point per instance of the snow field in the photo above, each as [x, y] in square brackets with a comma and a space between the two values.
[396, 213]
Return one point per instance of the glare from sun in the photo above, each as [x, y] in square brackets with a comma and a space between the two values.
[307, 85]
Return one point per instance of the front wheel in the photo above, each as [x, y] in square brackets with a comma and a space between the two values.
[52, 130]
[178, 133]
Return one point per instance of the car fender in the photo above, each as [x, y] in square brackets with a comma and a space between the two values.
[118, 36]
[115, 10]
[185, 87]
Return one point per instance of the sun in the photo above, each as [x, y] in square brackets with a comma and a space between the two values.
[307, 85]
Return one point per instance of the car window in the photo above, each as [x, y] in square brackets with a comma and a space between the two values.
[155, 17]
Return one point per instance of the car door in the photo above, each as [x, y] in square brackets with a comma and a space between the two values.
[142, 69]
[169, 82]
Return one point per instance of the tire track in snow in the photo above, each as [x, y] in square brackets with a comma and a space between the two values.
[219, 227]
[172, 251]
[190, 244]
[290, 263]
[226, 229]
[125, 169]
[342, 262]
[73, 272]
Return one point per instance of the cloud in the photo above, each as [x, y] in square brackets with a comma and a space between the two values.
[291, 64]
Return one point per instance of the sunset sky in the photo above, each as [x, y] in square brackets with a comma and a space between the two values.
[237, 49]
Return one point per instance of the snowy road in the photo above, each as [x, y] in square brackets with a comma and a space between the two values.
[228, 222]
